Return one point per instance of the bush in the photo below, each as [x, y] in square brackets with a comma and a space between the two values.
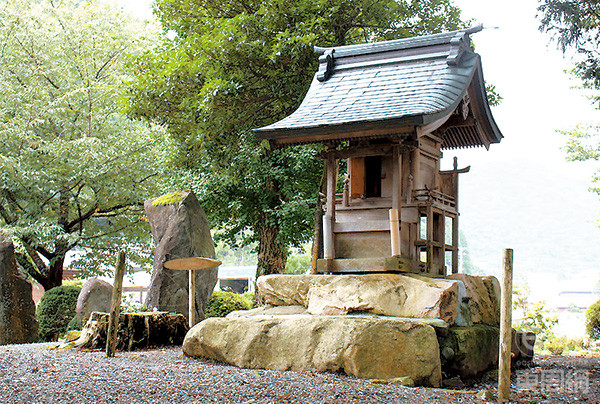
[592, 323]
[74, 325]
[556, 344]
[222, 303]
[55, 310]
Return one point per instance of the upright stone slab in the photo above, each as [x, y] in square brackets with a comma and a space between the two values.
[180, 230]
[95, 295]
[18, 324]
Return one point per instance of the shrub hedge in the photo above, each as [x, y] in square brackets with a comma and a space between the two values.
[592, 323]
[55, 310]
[222, 303]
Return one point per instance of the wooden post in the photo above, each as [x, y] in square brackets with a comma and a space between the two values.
[430, 256]
[505, 328]
[395, 232]
[455, 233]
[115, 306]
[329, 218]
[192, 298]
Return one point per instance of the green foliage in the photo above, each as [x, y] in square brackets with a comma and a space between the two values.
[559, 345]
[465, 261]
[55, 311]
[74, 324]
[171, 198]
[299, 261]
[74, 170]
[592, 323]
[574, 26]
[494, 98]
[535, 317]
[243, 255]
[222, 303]
[223, 69]
[129, 305]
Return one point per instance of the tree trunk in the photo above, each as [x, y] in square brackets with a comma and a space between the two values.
[55, 273]
[272, 254]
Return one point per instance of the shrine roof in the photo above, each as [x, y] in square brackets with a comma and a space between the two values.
[389, 86]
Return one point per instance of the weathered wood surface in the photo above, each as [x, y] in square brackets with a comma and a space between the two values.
[135, 331]
[115, 306]
[505, 328]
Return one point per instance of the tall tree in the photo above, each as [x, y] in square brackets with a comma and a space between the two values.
[74, 170]
[575, 26]
[226, 67]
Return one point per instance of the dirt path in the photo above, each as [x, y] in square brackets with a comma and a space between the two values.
[35, 373]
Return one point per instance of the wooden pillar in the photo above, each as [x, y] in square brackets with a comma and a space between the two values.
[455, 239]
[455, 233]
[329, 218]
[115, 306]
[192, 318]
[416, 174]
[505, 328]
[430, 256]
[396, 211]
[439, 235]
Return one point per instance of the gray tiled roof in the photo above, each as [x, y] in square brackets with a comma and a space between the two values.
[412, 81]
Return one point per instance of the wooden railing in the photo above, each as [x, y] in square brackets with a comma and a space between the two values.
[432, 195]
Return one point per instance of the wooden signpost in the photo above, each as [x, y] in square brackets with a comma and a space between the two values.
[192, 264]
[115, 306]
[505, 328]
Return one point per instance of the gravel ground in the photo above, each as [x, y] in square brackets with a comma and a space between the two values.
[37, 373]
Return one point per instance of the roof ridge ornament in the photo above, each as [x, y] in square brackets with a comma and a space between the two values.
[459, 45]
[329, 61]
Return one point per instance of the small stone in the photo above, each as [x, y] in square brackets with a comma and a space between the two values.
[485, 395]
[403, 381]
[453, 382]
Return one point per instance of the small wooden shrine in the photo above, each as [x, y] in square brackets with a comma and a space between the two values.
[387, 110]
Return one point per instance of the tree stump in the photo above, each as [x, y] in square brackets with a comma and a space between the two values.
[135, 331]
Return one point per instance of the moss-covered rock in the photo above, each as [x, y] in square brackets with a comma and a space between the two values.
[469, 351]
[55, 310]
[172, 198]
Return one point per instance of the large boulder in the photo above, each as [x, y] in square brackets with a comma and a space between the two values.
[469, 351]
[180, 230]
[366, 347]
[268, 310]
[479, 299]
[386, 294]
[95, 295]
[18, 324]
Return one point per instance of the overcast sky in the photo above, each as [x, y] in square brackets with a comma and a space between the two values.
[522, 194]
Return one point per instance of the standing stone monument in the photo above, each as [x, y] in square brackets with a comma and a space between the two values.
[180, 230]
[18, 324]
[94, 296]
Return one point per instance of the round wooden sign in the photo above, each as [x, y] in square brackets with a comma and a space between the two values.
[192, 263]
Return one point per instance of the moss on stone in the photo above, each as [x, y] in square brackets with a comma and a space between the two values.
[172, 198]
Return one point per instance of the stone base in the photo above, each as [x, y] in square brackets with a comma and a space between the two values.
[469, 351]
[136, 331]
[373, 348]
